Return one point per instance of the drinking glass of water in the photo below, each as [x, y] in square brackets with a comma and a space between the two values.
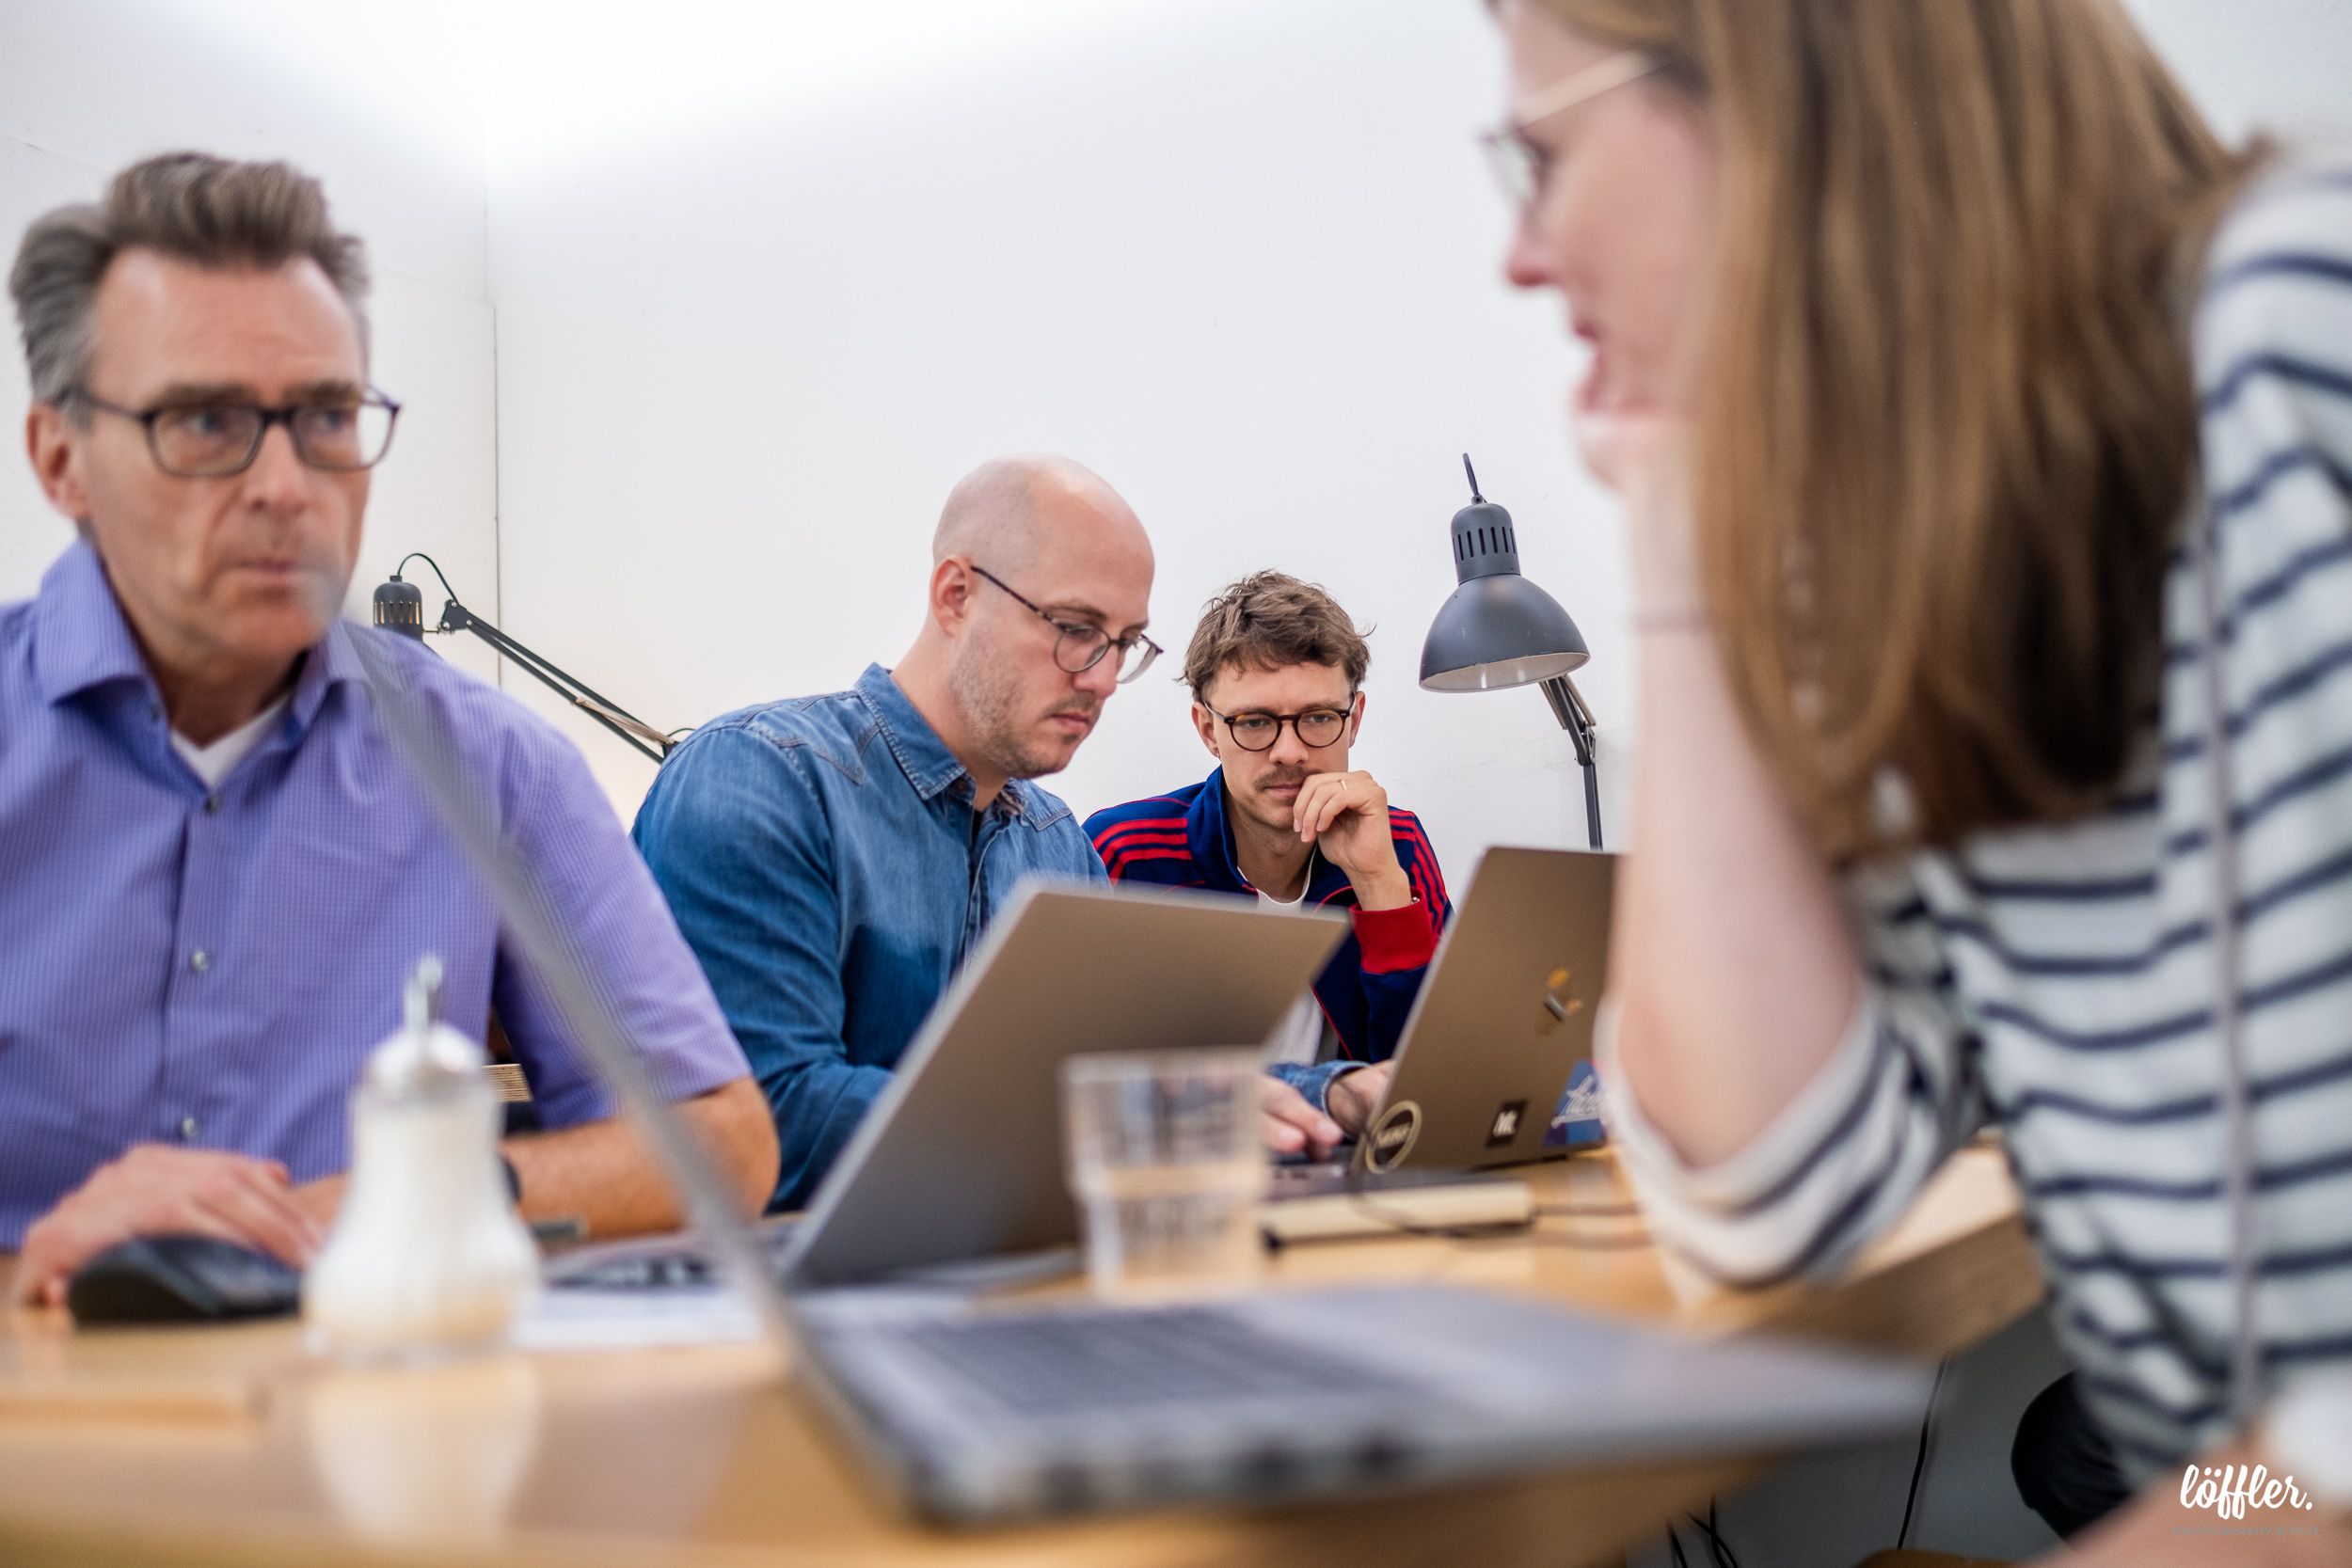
[1168, 1167]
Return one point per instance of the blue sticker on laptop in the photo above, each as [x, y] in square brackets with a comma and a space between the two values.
[1576, 1123]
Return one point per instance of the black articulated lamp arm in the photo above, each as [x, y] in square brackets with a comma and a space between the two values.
[1567, 706]
[456, 617]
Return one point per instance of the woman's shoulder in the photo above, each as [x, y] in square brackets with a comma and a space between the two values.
[2295, 200]
[2276, 297]
[2272, 346]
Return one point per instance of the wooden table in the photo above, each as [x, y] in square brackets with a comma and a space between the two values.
[227, 1446]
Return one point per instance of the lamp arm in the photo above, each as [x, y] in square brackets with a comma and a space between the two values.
[627, 726]
[1567, 706]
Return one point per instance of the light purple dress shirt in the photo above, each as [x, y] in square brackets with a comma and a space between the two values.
[211, 969]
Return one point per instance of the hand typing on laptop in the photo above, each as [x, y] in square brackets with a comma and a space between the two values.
[1293, 1127]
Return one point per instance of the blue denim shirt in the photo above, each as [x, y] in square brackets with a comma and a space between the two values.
[823, 859]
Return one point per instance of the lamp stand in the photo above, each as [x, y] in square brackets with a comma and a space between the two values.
[1567, 706]
[626, 726]
[400, 607]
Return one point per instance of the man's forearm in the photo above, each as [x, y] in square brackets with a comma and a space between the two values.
[604, 1174]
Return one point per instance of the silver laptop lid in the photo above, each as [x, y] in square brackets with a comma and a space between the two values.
[962, 1156]
[1503, 1018]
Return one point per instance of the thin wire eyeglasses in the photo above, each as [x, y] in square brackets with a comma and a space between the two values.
[213, 440]
[1521, 167]
[1258, 732]
[1081, 642]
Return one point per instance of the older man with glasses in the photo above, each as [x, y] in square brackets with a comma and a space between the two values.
[214, 873]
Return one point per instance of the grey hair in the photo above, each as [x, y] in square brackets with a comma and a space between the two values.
[189, 206]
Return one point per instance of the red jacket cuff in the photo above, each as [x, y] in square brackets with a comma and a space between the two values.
[1401, 938]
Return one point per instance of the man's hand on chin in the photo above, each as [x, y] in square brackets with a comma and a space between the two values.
[1346, 816]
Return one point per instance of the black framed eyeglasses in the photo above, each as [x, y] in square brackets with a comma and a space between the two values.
[1080, 647]
[213, 440]
[1317, 728]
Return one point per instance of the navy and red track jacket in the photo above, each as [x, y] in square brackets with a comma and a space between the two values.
[1184, 840]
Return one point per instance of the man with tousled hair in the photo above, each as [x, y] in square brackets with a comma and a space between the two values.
[1277, 671]
[217, 870]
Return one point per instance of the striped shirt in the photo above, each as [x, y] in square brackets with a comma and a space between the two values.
[2058, 983]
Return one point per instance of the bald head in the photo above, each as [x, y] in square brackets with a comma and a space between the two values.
[1000, 688]
[1010, 511]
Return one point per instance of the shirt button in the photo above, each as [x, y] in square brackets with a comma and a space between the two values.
[200, 961]
[188, 1129]
[211, 803]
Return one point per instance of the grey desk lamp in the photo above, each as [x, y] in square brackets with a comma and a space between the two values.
[1499, 629]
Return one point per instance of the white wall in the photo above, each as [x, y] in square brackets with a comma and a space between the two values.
[2275, 65]
[386, 106]
[770, 279]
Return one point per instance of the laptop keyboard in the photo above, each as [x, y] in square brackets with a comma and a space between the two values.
[1083, 1362]
[662, 1266]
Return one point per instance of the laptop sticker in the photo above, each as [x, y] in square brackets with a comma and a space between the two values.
[1392, 1137]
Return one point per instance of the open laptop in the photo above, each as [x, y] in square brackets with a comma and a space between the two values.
[1503, 1020]
[961, 1157]
[1494, 1067]
[956, 1172]
[974, 1412]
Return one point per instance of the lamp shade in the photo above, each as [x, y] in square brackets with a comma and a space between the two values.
[401, 605]
[1497, 629]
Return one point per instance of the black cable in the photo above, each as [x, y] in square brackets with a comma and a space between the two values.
[1676, 1541]
[419, 555]
[1717, 1547]
[1919, 1461]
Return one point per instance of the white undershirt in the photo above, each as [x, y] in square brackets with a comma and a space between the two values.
[1299, 1037]
[213, 763]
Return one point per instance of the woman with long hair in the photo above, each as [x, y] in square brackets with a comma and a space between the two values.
[1984, 427]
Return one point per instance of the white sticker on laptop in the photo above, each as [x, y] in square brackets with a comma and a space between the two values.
[1506, 1123]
